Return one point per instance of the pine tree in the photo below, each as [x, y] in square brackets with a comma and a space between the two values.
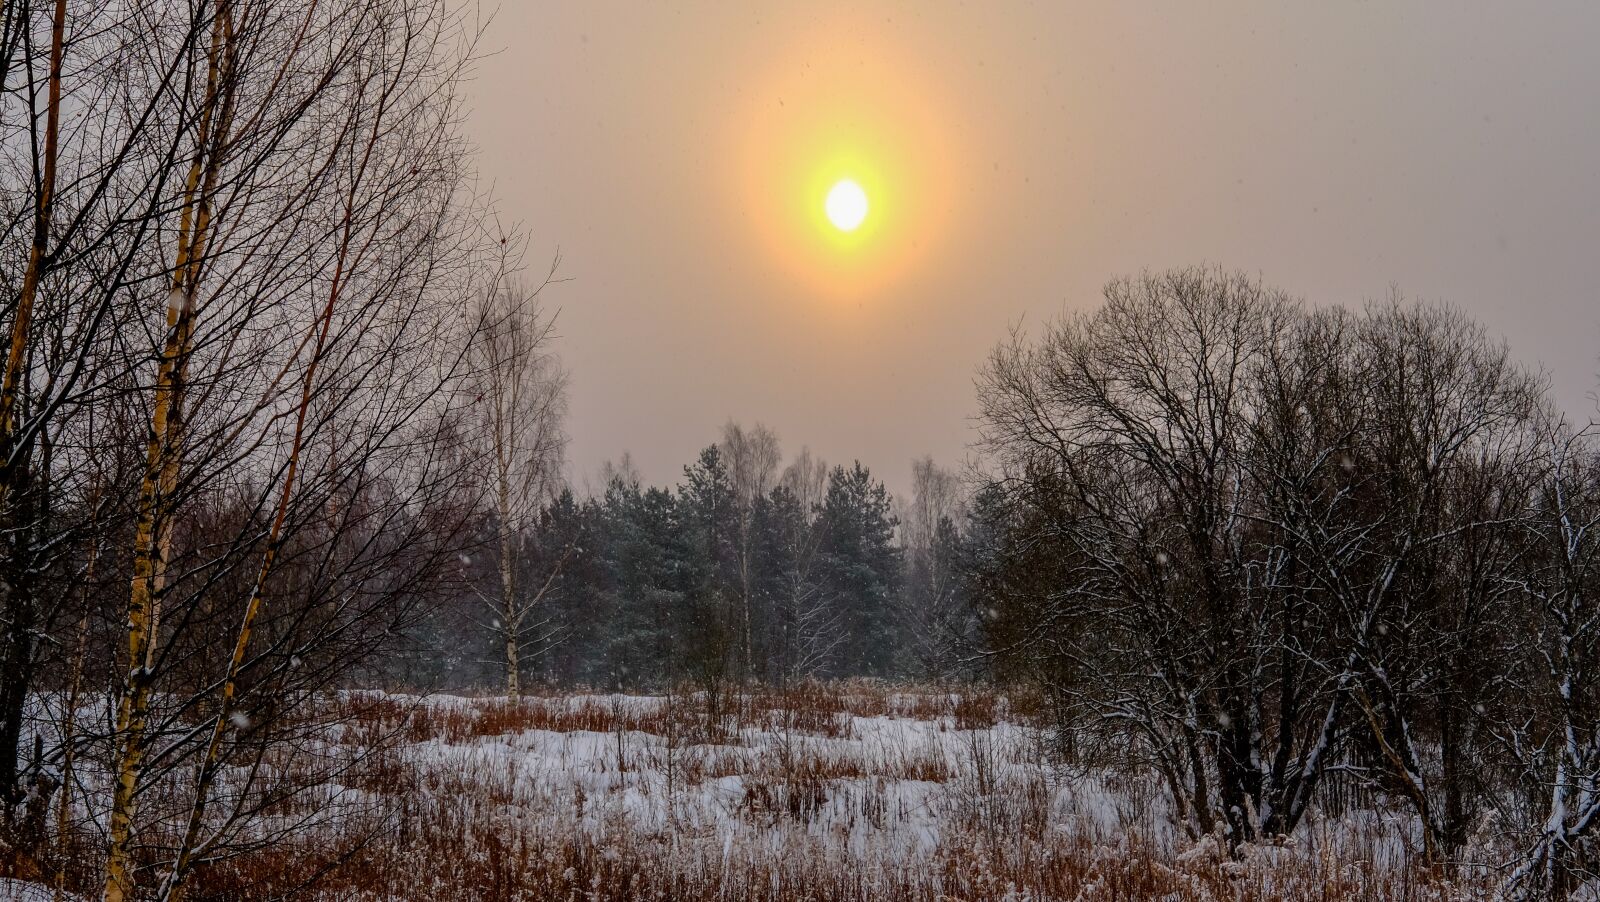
[796, 628]
[562, 564]
[708, 523]
[859, 569]
[645, 568]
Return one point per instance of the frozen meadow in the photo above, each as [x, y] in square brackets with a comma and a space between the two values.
[820, 792]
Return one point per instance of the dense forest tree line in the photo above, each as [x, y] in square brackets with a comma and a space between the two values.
[744, 572]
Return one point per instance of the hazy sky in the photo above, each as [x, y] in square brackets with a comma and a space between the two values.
[1018, 157]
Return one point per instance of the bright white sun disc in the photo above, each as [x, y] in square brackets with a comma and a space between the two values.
[846, 205]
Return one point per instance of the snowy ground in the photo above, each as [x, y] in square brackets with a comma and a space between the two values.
[885, 785]
[826, 793]
[898, 802]
[22, 891]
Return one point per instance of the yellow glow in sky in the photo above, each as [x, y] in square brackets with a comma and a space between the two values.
[845, 161]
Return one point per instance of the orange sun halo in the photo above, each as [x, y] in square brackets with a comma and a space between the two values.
[844, 163]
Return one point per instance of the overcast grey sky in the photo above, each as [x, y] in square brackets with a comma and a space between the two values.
[1035, 151]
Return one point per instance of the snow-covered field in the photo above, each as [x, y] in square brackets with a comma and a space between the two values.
[819, 795]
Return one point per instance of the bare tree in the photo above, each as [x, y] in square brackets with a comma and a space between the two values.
[20, 517]
[152, 546]
[1551, 745]
[284, 335]
[1442, 479]
[521, 408]
[1138, 414]
[936, 617]
[806, 477]
[752, 456]
[1253, 543]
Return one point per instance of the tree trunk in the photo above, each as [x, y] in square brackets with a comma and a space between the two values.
[153, 530]
[211, 762]
[17, 665]
[11, 383]
[513, 668]
[511, 624]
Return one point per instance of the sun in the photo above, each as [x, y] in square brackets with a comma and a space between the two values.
[843, 166]
[846, 205]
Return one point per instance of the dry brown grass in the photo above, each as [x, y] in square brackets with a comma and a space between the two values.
[483, 827]
[821, 709]
[421, 721]
[458, 854]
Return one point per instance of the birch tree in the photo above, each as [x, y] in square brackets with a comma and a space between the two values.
[752, 456]
[935, 615]
[300, 406]
[521, 403]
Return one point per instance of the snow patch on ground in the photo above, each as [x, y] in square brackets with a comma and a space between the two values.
[23, 891]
